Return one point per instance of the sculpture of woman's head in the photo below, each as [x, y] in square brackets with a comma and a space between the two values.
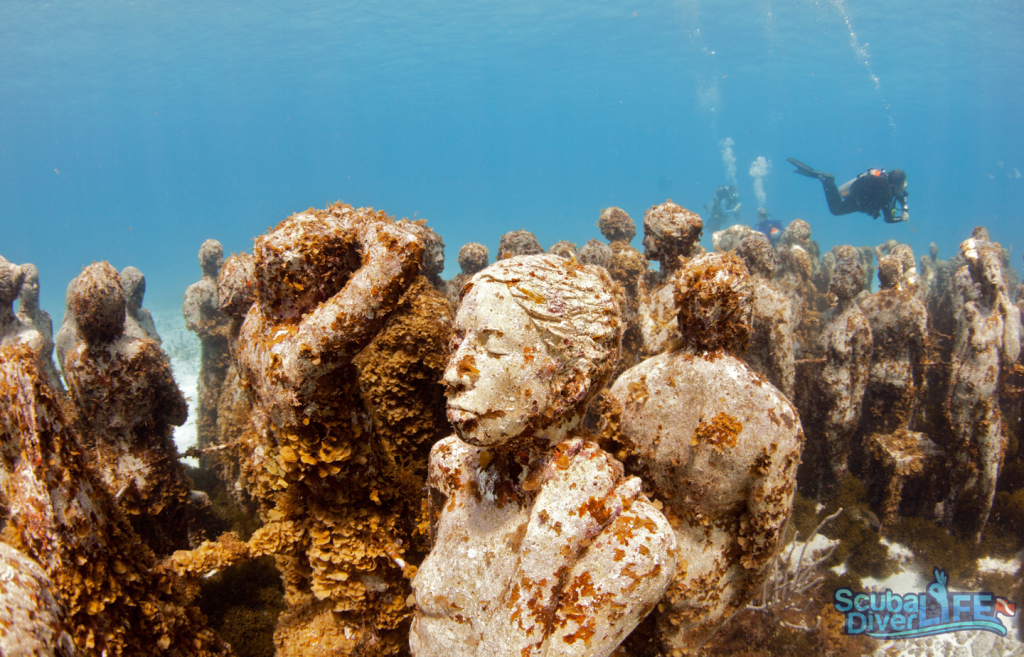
[473, 257]
[235, 285]
[11, 279]
[134, 284]
[984, 260]
[758, 255]
[211, 257]
[670, 231]
[848, 275]
[536, 337]
[97, 300]
[28, 297]
[890, 272]
[714, 294]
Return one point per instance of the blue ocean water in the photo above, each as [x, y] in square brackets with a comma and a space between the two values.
[130, 131]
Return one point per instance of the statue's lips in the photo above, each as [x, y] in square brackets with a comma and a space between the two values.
[456, 414]
[461, 415]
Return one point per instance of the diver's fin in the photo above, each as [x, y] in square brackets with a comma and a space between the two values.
[803, 169]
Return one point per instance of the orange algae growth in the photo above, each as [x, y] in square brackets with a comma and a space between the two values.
[720, 432]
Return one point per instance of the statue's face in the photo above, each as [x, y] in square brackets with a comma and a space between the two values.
[30, 289]
[651, 247]
[499, 377]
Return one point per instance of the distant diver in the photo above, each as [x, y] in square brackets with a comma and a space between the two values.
[719, 216]
[771, 228]
[873, 192]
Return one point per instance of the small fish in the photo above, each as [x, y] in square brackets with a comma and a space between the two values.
[57, 171]
[990, 176]
[1016, 174]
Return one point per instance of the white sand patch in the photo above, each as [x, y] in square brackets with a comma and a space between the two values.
[816, 549]
[898, 552]
[183, 348]
[1001, 566]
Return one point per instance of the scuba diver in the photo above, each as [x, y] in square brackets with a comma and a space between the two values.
[872, 192]
[771, 228]
[718, 216]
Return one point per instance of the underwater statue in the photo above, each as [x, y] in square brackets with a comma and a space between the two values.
[29, 312]
[616, 225]
[798, 233]
[770, 349]
[12, 330]
[203, 317]
[911, 278]
[472, 258]
[565, 250]
[730, 238]
[518, 242]
[719, 446]
[671, 232]
[31, 325]
[845, 343]
[794, 278]
[342, 505]
[627, 267]
[899, 328]
[119, 599]
[987, 339]
[540, 545]
[128, 404]
[433, 251]
[236, 292]
[595, 252]
[138, 321]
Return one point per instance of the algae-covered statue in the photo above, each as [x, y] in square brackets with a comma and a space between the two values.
[846, 344]
[671, 232]
[987, 339]
[518, 242]
[770, 351]
[627, 267]
[118, 599]
[203, 317]
[25, 327]
[326, 282]
[33, 316]
[540, 545]
[899, 328]
[127, 402]
[719, 446]
[472, 258]
[138, 321]
[596, 252]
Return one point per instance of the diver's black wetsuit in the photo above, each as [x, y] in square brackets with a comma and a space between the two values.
[872, 192]
[868, 193]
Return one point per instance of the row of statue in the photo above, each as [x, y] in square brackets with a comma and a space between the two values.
[528, 459]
